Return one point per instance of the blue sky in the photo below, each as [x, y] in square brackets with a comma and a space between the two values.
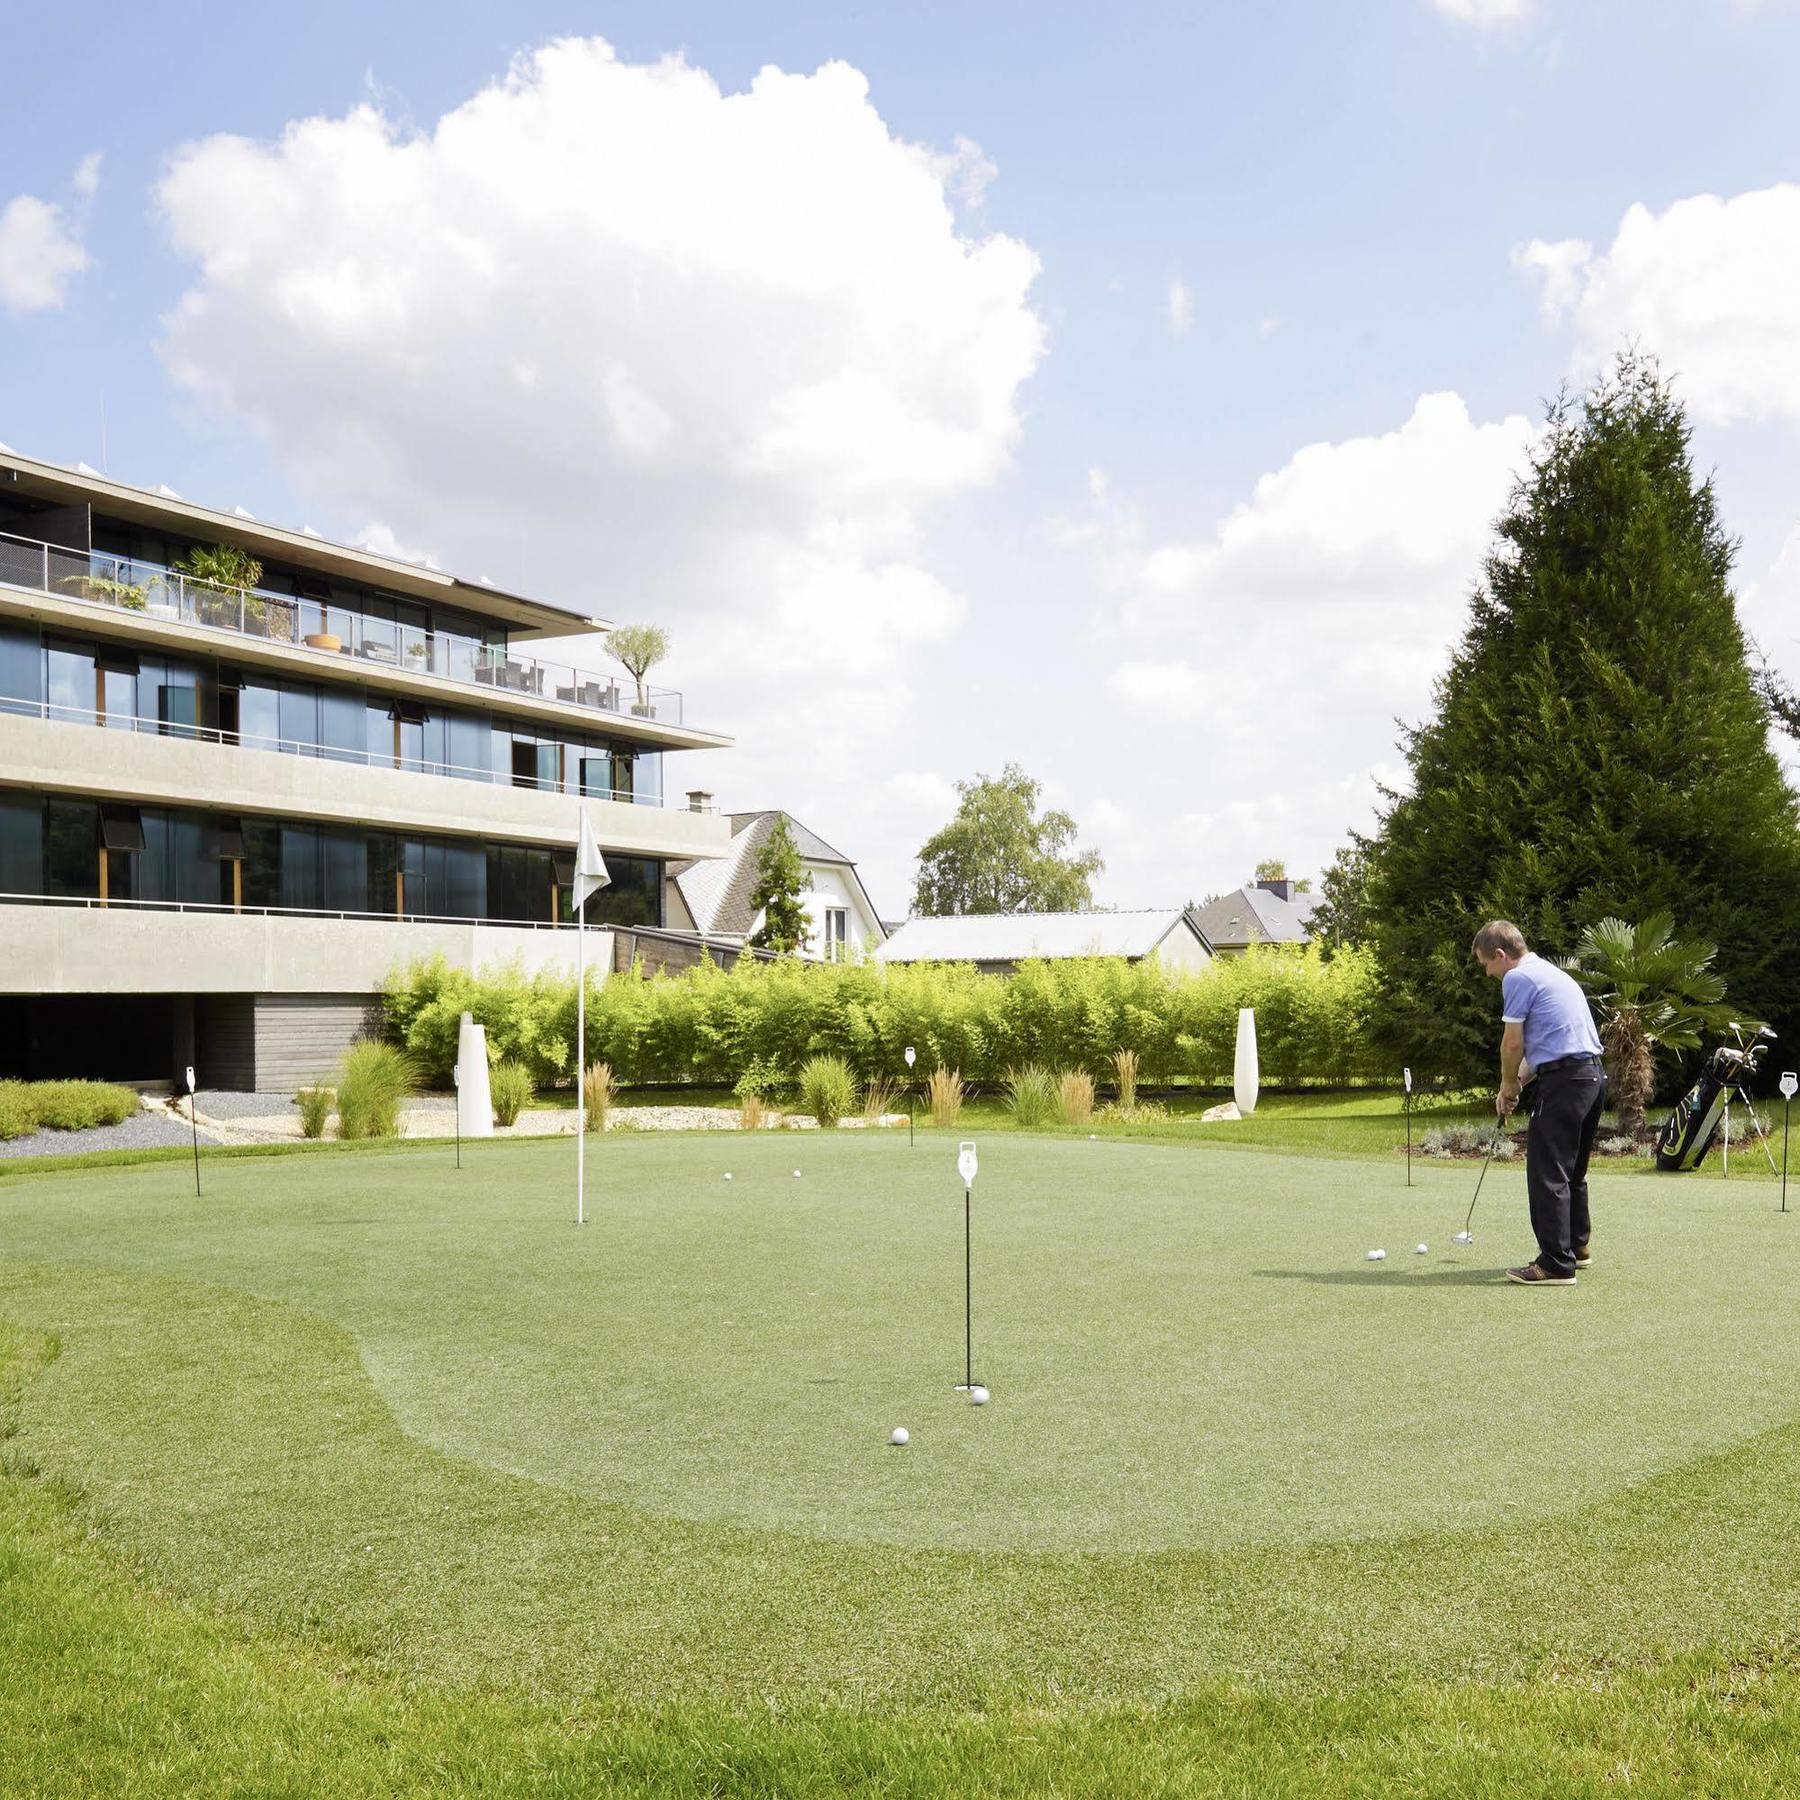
[1343, 195]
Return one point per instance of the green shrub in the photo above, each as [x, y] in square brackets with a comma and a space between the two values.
[374, 1081]
[80, 1105]
[315, 1105]
[750, 1027]
[509, 1086]
[1031, 1096]
[827, 1089]
[18, 1117]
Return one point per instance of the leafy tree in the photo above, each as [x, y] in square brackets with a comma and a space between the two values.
[1341, 919]
[1271, 868]
[780, 881]
[640, 648]
[1654, 993]
[1599, 747]
[1000, 855]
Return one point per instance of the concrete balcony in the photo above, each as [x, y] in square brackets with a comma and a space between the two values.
[94, 949]
[518, 687]
[153, 770]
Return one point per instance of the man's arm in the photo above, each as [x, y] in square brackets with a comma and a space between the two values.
[1512, 1052]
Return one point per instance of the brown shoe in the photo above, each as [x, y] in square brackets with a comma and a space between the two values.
[1536, 1275]
[1583, 1257]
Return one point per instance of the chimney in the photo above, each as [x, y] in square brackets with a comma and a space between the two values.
[699, 800]
[1282, 890]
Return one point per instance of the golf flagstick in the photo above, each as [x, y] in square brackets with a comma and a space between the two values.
[1406, 1077]
[966, 1167]
[1790, 1082]
[590, 878]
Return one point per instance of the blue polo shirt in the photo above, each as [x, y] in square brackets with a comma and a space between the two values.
[1551, 1006]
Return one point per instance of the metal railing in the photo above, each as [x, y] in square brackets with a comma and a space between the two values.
[240, 740]
[94, 903]
[325, 627]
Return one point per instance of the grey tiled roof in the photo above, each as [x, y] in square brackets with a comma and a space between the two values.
[717, 889]
[1253, 915]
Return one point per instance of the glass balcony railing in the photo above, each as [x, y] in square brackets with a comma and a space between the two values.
[324, 627]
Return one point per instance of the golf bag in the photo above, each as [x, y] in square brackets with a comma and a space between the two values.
[1689, 1130]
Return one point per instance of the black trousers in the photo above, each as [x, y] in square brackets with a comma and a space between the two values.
[1557, 1145]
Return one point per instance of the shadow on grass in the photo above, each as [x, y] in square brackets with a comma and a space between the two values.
[1395, 1274]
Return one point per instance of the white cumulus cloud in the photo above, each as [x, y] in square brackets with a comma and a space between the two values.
[1181, 307]
[655, 349]
[1484, 12]
[40, 254]
[1263, 663]
[1707, 284]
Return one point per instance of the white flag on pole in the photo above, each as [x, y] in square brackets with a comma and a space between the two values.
[590, 867]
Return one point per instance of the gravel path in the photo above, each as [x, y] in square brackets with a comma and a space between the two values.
[222, 1103]
[142, 1131]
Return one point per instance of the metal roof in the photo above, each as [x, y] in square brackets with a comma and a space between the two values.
[1014, 937]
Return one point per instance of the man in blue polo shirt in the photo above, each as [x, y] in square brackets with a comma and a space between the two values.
[1547, 1027]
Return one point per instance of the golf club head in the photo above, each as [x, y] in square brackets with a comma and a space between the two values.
[1464, 1237]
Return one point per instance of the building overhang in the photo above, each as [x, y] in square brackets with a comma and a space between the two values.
[524, 618]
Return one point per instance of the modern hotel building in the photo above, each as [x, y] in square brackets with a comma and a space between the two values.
[229, 808]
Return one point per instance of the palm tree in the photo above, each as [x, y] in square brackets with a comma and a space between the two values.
[1654, 992]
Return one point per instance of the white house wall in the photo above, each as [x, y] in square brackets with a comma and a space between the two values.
[832, 886]
[1182, 951]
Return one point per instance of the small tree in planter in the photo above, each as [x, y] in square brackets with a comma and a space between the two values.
[640, 648]
[228, 572]
[1654, 992]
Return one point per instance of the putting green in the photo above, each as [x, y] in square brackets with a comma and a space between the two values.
[1187, 1349]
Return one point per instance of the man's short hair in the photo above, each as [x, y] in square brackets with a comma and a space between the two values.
[1497, 934]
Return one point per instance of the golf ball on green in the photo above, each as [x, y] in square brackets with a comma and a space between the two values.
[1377, 1256]
[978, 1396]
[899, 1435]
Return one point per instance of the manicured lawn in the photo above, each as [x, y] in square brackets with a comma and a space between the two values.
[450, 1487]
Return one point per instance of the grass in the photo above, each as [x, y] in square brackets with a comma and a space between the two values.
[1246, 1515]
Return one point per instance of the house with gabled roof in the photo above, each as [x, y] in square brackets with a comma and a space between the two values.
[1265, 912]
[715, 892]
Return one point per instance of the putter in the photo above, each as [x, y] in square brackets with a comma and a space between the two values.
[1467, 1236]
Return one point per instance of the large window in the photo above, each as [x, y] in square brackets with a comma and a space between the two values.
[21, 843]
[71, 848]
[55, 846]
[634, 896]
[21, 671]
[70, 684]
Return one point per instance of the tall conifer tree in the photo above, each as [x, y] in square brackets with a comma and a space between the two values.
[780, 883]
[1600, 747]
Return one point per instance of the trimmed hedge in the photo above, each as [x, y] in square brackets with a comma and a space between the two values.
[707, 1025]
[25, 1106]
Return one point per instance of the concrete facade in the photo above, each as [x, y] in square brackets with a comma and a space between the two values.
[141, 950]
[175, 771]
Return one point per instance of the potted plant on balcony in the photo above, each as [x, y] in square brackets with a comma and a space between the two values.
[128, 594]
[224, 576]
[640, 648]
